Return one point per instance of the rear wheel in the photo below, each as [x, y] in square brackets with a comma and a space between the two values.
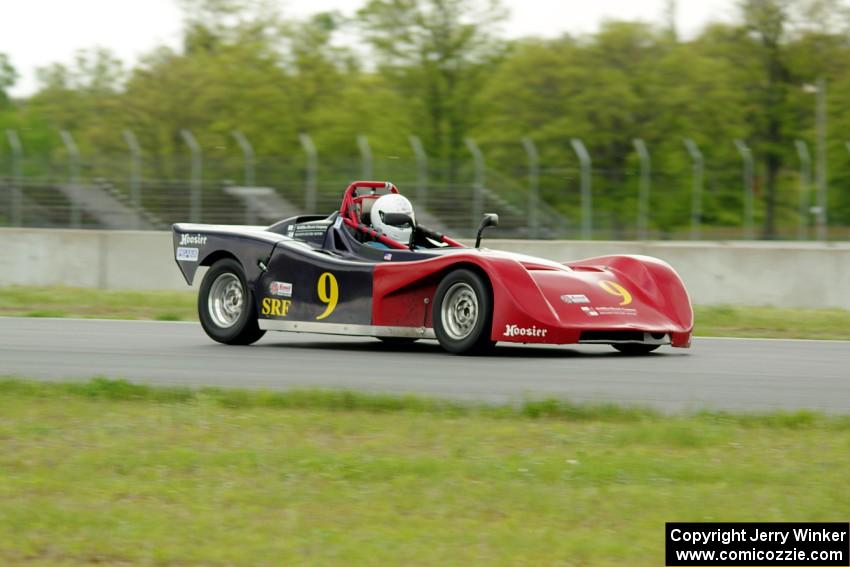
[463, 313]
[225, 306]
[635, 348]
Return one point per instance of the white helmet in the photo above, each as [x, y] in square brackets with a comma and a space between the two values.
[393, 215]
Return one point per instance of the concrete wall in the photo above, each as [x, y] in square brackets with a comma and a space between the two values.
[810, 275]
[88, 258]
[782, 274]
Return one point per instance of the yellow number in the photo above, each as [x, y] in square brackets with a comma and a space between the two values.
[328, 289]
[616, 289]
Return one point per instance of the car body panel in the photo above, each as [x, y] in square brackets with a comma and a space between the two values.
[323, 288]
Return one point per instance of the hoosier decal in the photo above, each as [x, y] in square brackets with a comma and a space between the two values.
[196, 239]
[517, 331]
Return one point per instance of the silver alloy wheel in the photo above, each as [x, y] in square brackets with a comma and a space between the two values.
[459, 311]
[225, 300]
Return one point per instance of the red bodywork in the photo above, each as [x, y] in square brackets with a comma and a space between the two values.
[527, 294]
[536, 300]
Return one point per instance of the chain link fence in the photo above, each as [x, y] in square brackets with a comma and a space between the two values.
[151, 192]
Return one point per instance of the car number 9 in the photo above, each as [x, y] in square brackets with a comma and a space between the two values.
[328, 290]
[616, 289]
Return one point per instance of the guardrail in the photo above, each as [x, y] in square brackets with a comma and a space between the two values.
[807, 275]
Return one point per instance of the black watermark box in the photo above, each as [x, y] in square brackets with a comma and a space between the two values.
[757, 543]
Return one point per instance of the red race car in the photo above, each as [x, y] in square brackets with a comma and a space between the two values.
[368, 269]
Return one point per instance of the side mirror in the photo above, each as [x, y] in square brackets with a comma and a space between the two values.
[490, 219]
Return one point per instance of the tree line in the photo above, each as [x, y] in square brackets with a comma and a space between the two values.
[441, 69]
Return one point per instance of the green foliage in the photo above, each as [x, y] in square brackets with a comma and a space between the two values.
[439, 69]
[437, 53]
[8, 77]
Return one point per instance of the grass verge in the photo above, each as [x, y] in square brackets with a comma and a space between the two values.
[97, 303]
[116, 473]
[765, 322]
[772, 322]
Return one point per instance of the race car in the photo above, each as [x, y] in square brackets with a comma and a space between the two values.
[355, 273]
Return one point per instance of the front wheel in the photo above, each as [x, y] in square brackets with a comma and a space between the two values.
[225, 306]
[463, 313]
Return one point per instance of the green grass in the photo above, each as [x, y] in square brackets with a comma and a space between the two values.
[767, 322]
[96, 303]
[121, 474]
[772, 322]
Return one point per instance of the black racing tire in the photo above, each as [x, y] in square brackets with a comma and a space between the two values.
[226, 307]
[635, 349]
[398, 341]
[463, 313]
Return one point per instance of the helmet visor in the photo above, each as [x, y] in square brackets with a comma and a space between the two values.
[400, 220]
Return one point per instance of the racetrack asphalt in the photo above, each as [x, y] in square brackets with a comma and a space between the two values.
[727, 374]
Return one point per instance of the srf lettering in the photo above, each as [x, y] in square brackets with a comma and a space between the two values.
[275, 307]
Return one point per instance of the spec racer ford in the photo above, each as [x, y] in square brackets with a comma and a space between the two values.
[369, 270]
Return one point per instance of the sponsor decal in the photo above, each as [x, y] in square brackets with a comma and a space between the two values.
[575, 298]
[616, 289]
[388, 256]
[290, 230]
[597, 311]
[617, 311]
[308, 230]
[281, 289]
[274, 307]
[338, 222]
[189, 239]
[187, 254]
[517, 331]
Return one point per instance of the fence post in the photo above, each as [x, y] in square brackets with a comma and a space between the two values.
[16, 214]
[73, 175]
[696, 198]
[195, 203]
[365, 156]
[533, 187]
[822, 226]
[478, 185]
[421, 171]
[135, 170]
[643, 188]
[312, 165]
[805, 181]
[747, 157]
[247, 156]
[586, 195]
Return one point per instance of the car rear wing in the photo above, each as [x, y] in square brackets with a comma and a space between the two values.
[202, 244]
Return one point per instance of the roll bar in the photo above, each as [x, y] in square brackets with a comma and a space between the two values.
[348, 212]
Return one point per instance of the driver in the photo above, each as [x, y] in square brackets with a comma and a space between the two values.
[393, 216]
